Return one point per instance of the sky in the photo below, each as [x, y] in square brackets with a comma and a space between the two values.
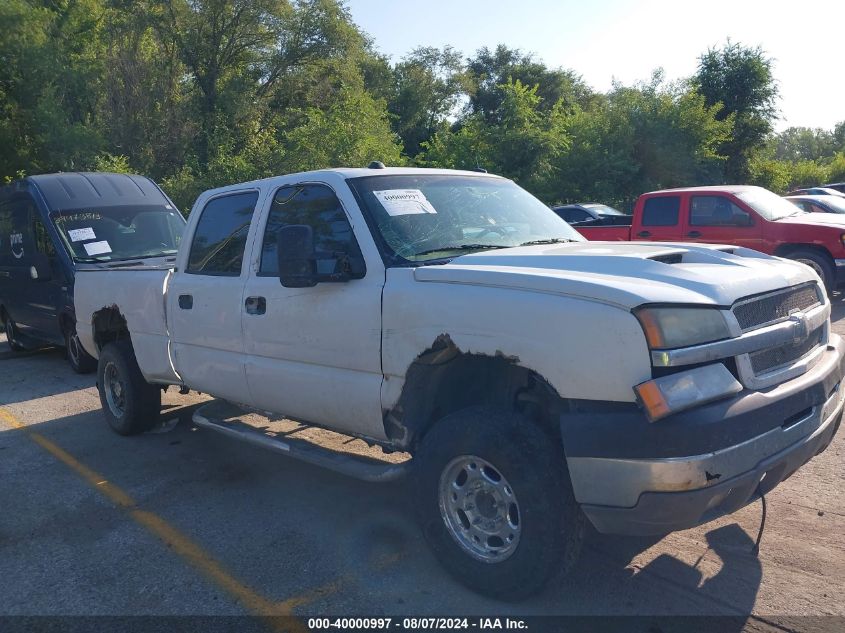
[603, 40]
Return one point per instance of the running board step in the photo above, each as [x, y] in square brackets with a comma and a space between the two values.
[263, 431]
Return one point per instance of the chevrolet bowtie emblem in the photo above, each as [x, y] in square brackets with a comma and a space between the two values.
[800, 326]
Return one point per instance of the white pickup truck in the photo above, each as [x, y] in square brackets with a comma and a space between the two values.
[536, 380]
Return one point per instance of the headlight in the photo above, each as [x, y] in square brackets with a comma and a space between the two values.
[667, 328]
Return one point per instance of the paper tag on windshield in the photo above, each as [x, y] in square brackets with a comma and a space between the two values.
[80, 235]
[97, 248]
[404, 201]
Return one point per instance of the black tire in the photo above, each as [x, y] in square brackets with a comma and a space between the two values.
[134, 406]
[80, 361]
[11, 330]
[820, 264]
[532, 465]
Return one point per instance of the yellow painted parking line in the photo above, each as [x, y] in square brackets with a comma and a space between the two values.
[181, 544]
[186, 548]
[172, 537]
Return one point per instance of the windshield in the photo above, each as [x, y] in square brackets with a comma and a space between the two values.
[833, 204]
[769, 205]
[425, 217]
[119, 233]
[603, 209]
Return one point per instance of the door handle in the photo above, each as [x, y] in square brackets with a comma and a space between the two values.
[186, 302]
[694, 234]
[644, 234]
[255, 305]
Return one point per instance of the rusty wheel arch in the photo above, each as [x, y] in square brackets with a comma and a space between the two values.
[444, 379]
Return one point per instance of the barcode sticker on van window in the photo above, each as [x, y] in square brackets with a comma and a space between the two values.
[97, 248]
[80, 235]
[404, 201]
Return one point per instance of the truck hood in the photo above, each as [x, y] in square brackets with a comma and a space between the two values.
[833, 220]
[625, 274]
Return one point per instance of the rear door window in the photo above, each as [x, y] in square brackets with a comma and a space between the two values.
[661, 211]
[220, 238]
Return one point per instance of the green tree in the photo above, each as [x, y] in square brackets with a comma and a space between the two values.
[648, 136]
[228, 46]
[803, 143]
[490, 69]
[50, 71]
[428, 84]
[740, 80]
[523, 143]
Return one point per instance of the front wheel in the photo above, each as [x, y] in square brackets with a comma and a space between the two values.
[11, 330]
[822, 266]
[80, 361]
[496, 504]
[131, 404]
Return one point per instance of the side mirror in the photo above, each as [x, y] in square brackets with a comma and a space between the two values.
[297, 259]
[40, 268]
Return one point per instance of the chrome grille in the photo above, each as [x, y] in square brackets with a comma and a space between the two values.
[769, 359]
[758, 311]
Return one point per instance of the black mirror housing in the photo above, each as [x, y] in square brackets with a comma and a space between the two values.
[297, 258]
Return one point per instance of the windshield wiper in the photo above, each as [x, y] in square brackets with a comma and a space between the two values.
[460, 247]
[553, 240]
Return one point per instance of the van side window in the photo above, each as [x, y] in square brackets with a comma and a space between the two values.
[220, 237]
[661, 211]
[716, 211]
[318, 207]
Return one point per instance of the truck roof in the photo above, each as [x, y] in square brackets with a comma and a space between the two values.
[80, 190]
[719, 188]
[352, 172]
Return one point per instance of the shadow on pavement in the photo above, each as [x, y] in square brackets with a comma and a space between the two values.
[285, 527]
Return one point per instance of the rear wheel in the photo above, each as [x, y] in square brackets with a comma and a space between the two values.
[131, 404]
[11, 330]
[496, 504]
[80, 361]
[820, 264]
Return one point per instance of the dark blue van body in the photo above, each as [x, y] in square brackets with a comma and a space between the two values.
[52, 223]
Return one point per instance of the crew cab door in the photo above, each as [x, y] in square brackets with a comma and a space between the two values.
[659, 219]
[314, 354]
[205, 299]
[717, 218]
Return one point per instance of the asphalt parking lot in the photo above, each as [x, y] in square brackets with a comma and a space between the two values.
[183, 522]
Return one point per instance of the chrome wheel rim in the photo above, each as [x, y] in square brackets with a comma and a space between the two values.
[114, 390]
[480, 509]
[73, 348]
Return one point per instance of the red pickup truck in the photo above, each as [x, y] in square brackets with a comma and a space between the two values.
[742, 215]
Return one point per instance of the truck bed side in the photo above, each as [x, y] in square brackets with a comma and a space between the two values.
[599, 233]
[138, 296]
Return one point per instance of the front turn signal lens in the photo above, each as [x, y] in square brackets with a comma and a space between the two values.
[686, 389]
